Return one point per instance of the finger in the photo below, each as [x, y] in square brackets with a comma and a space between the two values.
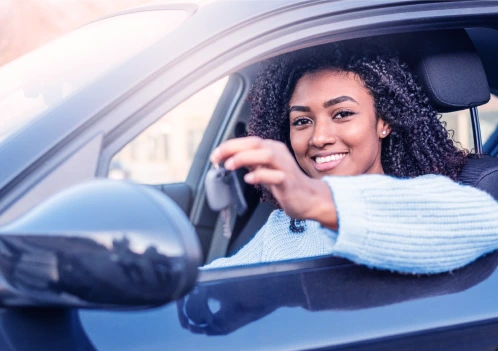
[233, 146]
[265, 176]
[253, 158]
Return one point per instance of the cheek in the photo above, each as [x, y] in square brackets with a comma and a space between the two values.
[354, 134]
[299, 142]
[362, 138]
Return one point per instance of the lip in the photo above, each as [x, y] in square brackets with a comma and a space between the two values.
[329, 164]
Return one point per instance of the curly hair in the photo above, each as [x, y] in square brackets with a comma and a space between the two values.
[418, 143]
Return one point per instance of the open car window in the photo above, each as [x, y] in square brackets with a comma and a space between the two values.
[460, 126]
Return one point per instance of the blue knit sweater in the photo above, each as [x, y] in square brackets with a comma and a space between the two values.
[427, 224]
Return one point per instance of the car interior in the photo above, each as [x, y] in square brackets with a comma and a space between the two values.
[457, 69]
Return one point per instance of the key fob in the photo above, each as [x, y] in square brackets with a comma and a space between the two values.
[237, 194]
[218, 191]
[223, 190]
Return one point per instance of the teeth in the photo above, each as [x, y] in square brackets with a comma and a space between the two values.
[326, 159]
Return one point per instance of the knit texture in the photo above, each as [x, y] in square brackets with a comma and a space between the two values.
[422, 225]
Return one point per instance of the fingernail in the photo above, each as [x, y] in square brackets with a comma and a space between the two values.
[248, 177]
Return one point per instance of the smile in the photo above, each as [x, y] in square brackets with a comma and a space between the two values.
[324, 163]
[326, 159]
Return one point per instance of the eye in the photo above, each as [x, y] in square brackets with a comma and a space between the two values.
[342, 114]
[301, 121]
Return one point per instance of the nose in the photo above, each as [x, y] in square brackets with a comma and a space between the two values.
[324, 133]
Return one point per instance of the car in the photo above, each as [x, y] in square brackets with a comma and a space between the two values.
[144, 96]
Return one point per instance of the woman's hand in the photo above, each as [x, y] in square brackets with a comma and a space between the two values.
[272, 165]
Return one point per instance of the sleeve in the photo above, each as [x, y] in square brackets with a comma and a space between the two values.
[423, 225]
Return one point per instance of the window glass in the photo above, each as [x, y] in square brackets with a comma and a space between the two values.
[45, 77]
[163, 153]
[460, 123]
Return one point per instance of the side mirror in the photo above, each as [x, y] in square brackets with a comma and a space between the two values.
[100, 244]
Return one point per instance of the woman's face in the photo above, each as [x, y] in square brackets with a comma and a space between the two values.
[333, 127]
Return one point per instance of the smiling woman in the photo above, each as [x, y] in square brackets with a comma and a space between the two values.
[331, 111]
[333, 125]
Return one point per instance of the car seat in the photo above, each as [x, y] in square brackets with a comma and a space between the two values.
[450, 70]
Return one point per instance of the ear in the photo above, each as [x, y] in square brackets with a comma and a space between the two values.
[383, 128]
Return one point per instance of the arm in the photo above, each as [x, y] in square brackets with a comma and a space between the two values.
[428, 224]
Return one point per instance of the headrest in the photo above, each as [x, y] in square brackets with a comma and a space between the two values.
[448, 67]
[481, 173]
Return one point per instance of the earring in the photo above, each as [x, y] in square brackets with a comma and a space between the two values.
[384, 133]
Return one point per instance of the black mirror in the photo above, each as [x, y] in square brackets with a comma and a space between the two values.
[102, 244]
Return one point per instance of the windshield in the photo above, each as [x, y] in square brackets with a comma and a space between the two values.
[45, 77]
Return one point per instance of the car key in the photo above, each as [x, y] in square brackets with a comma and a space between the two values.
[223, 190]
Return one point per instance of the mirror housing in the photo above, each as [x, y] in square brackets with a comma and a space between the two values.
[100, 244]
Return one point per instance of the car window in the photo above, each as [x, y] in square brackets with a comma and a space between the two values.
[45, 77]
[163, 153]
[460, 123]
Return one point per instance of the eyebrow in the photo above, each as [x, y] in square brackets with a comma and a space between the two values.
[327, 104]
[338, 100]
[299, 108]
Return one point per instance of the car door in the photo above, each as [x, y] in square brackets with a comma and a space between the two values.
[263, 311]
[315, 303]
